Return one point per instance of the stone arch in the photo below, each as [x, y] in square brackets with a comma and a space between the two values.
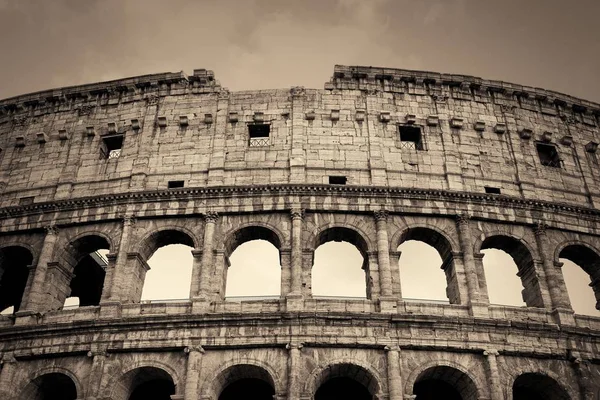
[240, 368]
[30, 387]
[15, 263]
[118, 389]
[365, 374]
[164, 236]
[443, 244]
[450, 372]
[363, 240]
[523, 255]
[24, 244]
[236, 236]
[587, 257]
[515, 373]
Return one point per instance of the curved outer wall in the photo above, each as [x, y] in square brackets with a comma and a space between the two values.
[62, 196]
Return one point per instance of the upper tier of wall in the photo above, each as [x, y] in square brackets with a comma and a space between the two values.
[475, 134]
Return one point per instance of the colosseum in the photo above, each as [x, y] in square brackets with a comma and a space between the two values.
[376, 158]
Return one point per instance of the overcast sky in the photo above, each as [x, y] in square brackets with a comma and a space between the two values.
[258, 44]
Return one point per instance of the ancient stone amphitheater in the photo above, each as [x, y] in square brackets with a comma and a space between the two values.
[376, 158]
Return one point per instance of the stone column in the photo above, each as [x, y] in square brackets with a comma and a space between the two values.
[393, 372]
[298, 139]
[383, 254]
[95, 378]
[494, 374]
[118, 282]
[6, 376]
[196, 272]
[297, 216]
[395, 270]
[192, 373]
[34, 299]
[294, 371]
[483, 292]
[466, 244]
[285, 257]
[558, 297]
[210, 222]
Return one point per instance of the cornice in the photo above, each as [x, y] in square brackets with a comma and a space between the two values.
[216, 192]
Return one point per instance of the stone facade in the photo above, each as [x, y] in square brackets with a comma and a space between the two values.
[378, 157]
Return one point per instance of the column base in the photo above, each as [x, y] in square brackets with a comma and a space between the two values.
[563, 316]
[294, 302]
[388, 305]
[110, 310]
[479, 309]
[200, 305]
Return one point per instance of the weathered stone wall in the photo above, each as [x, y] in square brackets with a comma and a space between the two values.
[234, 193]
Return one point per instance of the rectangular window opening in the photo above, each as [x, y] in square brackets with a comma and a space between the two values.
[175, 184]
[410, 137]
[337, 180]
[111, 146]
[548, 155]
[259, 135]
[492, 190]
[23, 201]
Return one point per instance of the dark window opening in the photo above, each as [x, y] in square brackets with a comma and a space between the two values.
[23, 201]
[492, 190]
[410, 137]
[259, 135]
[175, 184]
[548, 155]
[111, 146]
[337, 180]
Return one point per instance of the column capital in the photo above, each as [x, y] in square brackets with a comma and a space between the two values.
[191, 349]
[463, 219]
[211, 217]
[297, 213]
[197, 253]
[558, 264]
[381, 215]
[97, 353]
[392, 347]
[539, 228]
[51, 229]
[8, 358]
[292, 346]
[491, 352]
[478, 256]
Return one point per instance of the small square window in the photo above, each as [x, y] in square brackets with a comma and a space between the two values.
[548, 155]
[111, 146]
[259, 135]
[23, 201]
[492, 190]
[337, 180]
[410, 137]
[175, 184]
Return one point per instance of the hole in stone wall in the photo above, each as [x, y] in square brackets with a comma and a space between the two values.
[337, 180]
[421, 276]
[14, 271]
[87, 257]
[111, 146]
[578, 282]
[503, 284]
[548, 155]
[175, 184]
[492, 190]
[338, 271]
[258, 135]
[170, 274]
[410, 137]
[23, 201]
[255, 270]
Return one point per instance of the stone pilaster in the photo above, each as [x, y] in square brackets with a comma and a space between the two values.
[9, 366]
[483, 292]
[493, 374]
[466, 243]
[585, 379]
[294, 383]
[192, 373]
[395, 269]
[196, 272]
[207, 260]
[117, 285]
[216, 170]
[34, 300]
[298, 152]
[297, 216]
[394, 376]
[285, 257]
[95, 379]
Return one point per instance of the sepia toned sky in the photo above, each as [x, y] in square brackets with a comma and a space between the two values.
[260, 44]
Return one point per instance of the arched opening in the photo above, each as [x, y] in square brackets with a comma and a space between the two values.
[245, 381]
[144, 383]
[52, 386]
[443, 382]
[531, 293]
[581, 269]
[88, 254]
[423, 253]
[346, 381]
[169, 256]
[341, 264]
[254, 263]
[536, 386]
[14, 271]
[502, 274]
